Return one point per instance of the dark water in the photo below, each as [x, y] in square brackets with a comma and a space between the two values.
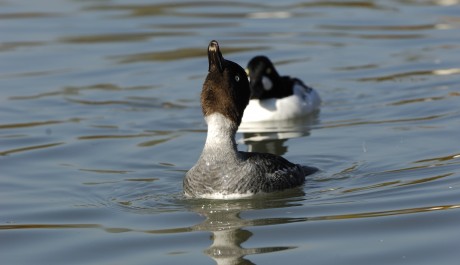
[100, 119]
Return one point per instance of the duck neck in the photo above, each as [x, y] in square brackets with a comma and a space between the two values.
[220, 141]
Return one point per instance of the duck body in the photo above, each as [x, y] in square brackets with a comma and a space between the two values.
[223, 172]
[274, 97]
[302, 102]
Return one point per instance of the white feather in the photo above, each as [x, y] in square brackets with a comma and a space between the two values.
[301, 103]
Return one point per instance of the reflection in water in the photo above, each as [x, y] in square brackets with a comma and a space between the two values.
[271, 136]
[226, 248]
[229, 230]
[224, 221]
[272, 146]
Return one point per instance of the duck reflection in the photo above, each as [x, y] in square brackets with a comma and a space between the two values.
[270, 137]
[227, 227]
[273, 146]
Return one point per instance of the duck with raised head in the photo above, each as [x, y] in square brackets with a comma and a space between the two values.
[275, 97]
[223, 172]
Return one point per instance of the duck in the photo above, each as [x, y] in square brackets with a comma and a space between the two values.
[223, 172]
[275, 97]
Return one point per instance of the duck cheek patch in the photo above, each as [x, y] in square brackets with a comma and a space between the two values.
[267, 83]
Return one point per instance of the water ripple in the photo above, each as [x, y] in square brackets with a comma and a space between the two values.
[73, 90]
[260, 222]
[121, 37]
[178, 54]
[29, 148]
[28, 15]
[10, 46]
[410, 74]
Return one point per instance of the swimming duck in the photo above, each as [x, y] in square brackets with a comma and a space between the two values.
[275, 97]
[223, 172]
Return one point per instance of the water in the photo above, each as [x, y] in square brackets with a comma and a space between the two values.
[100, 120]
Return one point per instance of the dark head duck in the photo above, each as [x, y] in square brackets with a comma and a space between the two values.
[223, 172]
[275, 97]
[226, 88]
[265, 82]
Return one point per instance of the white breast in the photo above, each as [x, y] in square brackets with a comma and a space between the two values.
[301, 103]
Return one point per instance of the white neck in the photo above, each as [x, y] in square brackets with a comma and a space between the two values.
[221, 133]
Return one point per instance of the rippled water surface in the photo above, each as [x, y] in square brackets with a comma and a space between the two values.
[100, 119]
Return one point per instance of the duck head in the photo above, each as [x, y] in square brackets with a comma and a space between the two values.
[226, 88]
[263, 78]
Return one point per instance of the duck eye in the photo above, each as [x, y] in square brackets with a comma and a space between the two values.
[237, 78]
[269, 70]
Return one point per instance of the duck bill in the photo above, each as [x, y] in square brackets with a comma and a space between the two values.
[216, 61]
